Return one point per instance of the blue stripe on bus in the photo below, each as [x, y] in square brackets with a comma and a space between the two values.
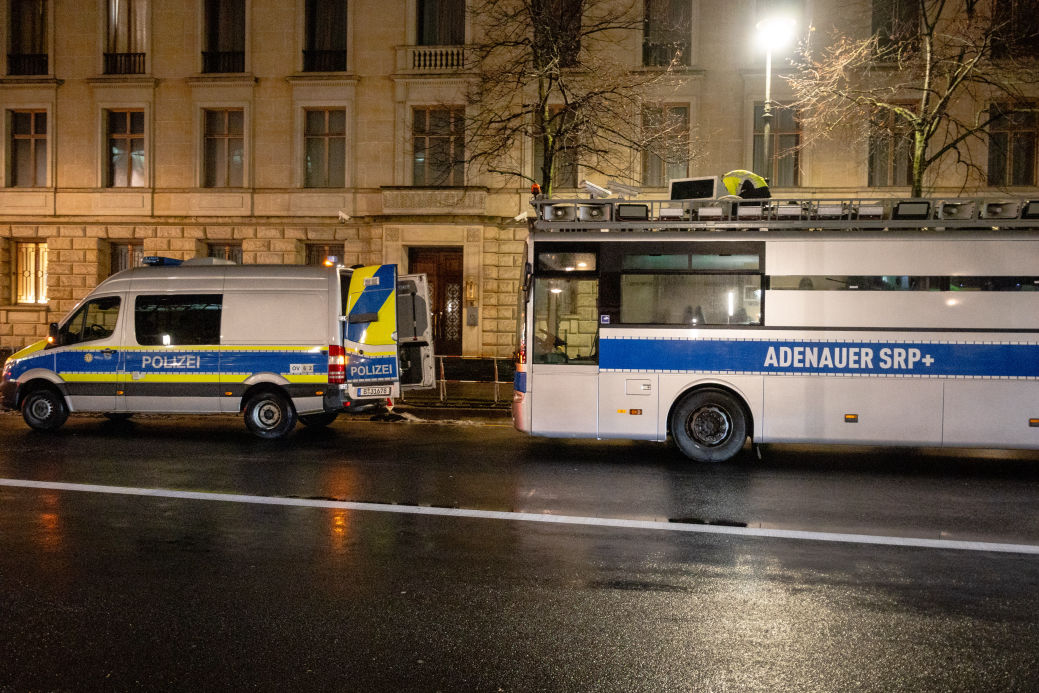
[919, 359]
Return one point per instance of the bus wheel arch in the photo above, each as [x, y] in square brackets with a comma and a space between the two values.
[43, 406]
[268, 411]
[710, 423]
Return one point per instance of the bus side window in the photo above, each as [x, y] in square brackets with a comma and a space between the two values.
[566, 320]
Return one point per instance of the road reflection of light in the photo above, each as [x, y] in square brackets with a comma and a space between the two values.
[340, 484]
[51, 533]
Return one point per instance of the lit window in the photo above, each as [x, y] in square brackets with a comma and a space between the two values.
[31, 272]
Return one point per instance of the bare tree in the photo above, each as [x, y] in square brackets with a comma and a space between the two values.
[933, 77]
[559, 73]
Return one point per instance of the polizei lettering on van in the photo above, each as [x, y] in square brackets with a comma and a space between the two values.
[371, 370]
[171, 361]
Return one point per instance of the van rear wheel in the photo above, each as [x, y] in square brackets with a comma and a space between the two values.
[270, 415]
[709, 426]
[44, 410]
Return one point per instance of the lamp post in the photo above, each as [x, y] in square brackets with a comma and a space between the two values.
[773, 32]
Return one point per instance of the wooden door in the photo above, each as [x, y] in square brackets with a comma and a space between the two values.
[443, 267]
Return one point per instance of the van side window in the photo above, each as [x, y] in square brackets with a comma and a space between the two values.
[94, 320]
[178, 319]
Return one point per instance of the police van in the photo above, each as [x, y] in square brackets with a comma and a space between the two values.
[276, 343]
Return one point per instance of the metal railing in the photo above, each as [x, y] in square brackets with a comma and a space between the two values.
[223, 61]
[469, 378]
[324, 61]
[124, 63]
[27, 63]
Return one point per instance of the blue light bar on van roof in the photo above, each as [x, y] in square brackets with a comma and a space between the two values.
[159, 261]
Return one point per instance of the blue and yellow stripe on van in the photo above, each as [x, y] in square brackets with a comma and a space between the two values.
[180, 371]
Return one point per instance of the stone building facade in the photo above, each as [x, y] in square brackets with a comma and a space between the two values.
[273, 131]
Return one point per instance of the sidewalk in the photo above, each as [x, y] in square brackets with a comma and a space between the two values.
[455, 400]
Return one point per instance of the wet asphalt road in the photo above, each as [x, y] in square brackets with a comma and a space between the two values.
[106, 591]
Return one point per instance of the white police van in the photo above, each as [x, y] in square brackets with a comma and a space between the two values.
[274, 342]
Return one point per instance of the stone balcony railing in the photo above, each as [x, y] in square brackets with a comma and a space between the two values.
[430, 59]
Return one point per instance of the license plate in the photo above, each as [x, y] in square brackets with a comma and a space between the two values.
[379, 391]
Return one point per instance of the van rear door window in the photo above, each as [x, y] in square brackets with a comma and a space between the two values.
[178, 319]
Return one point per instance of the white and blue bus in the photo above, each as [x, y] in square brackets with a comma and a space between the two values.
[909, 323]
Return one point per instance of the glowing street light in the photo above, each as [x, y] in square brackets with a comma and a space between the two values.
[772, 33]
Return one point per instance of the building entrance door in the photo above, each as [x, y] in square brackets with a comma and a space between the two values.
[443, 267]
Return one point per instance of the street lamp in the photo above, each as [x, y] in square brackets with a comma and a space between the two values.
[772, 33]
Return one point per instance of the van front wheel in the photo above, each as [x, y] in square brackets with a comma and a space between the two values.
[44, 410]
[270, 415]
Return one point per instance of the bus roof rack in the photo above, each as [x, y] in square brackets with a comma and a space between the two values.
[619, 214]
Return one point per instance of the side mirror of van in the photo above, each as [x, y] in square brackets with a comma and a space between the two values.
[52, 335]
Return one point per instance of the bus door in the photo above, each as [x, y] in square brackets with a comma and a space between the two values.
[563, 344]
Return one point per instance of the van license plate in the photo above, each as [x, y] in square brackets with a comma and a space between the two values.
[380, 391]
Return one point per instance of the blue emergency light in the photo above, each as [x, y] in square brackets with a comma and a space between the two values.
[159, 261]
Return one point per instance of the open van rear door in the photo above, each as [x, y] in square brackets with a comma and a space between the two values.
[414, 333]
[370, 333]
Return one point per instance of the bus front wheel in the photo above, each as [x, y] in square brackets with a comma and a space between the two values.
[709, 426]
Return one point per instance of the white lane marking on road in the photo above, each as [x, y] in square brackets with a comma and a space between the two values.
[619, 523]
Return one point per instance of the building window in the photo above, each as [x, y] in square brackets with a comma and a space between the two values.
[124, 255]
[125, 149]
[325, 49]
[667, 28]
[1013, 133]
[564, 167]
[28, 165]
[126, 41]
[890, 151]
[224, 148]
[438, 146]
[441, 22]
[667, 156]
[27, 42]
[1015, 29]
[226, 251]
[784, 148]
[327, 254]
[225, 36]
[895, 20]
[557, 31]
[31, 272]
[325, 148]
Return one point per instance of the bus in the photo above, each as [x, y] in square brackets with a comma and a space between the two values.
[710, 322]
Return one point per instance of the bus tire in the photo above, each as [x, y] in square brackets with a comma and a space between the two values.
[709, 426]
[318, 420]
[44, 409]
[270, 415]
